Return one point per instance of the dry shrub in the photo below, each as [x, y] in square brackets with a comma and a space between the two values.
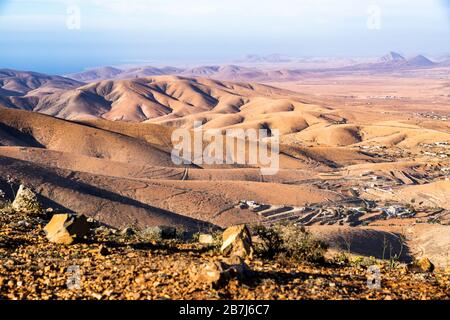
[289, 243]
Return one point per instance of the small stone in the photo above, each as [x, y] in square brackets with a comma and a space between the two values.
[23, 223]
[108, 292]
[26, 201]
[211, 273]
[66, 228]
[236, 267]
[140, 279]
[218, 273]
[9, 263]
[97, 296]
[132, 295]
[237, 241]
[205, 239]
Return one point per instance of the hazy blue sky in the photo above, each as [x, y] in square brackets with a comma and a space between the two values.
[39, 34]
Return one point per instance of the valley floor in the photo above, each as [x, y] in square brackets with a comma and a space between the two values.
[368, 173]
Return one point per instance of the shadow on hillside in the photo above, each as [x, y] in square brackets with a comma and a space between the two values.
[37, 176]
[375, 243]
[26, 139]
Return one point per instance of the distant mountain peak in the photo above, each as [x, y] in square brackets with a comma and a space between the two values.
[420, 61]
[392, 57]
[272, 58]
[94, 74]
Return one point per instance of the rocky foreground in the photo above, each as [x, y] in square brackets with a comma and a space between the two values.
[42, 258]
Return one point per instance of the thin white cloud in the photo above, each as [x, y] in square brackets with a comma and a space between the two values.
[222, 16]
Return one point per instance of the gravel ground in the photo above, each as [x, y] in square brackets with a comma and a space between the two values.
[112, 266]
